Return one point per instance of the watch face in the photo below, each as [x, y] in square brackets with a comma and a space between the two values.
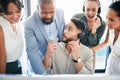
[79, 60]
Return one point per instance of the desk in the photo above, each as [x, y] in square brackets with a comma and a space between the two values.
[60, 77]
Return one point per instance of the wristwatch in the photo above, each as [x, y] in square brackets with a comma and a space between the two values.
[77, 61]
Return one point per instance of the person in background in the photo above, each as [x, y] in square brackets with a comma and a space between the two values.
[11, 38]
[46, 24]
[113, 37]
[95, 24]
[71, 57]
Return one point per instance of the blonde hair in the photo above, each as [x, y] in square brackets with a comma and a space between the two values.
[95, 1]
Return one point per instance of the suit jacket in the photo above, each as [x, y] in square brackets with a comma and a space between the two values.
[37, 38]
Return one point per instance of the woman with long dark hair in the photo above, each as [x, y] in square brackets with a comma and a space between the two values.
[113, 22]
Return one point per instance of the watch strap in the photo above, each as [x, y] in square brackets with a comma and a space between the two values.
[76, 61]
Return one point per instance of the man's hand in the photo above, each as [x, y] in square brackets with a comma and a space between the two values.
[50, 49]
[75, 47]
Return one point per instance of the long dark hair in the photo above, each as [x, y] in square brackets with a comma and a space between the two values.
[4, 5]
[116, 7]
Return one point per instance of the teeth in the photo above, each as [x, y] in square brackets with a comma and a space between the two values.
[90, 17]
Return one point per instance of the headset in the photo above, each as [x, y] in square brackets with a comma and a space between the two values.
[99, 6]
[79, 22]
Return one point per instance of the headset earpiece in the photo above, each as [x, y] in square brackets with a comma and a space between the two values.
[99, 10]
[84, 7]
[80, 35]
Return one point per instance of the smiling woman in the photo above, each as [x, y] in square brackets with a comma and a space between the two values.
[95, 24]
[10, 36]
[113, 22]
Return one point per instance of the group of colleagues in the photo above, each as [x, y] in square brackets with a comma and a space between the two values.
[54, 47]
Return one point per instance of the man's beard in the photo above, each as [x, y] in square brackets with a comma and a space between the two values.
[67, 40]
[46, 22]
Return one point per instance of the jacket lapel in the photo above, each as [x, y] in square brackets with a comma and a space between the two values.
[41, 26]
[59, 31]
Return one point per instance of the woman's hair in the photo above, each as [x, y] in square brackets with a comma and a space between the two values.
[4, 5]
[116, 7]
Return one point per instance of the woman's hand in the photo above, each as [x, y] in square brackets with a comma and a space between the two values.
[96, 25]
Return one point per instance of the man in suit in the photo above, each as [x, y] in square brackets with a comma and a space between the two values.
[46, 24]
